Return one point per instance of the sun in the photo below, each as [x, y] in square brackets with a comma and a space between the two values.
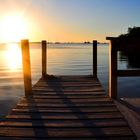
[13, 28]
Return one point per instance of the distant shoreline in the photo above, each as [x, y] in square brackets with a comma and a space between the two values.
[105, 43]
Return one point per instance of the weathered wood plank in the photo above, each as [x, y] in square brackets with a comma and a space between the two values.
[68, 97]
[70, 93]
[75, 84]
[63, 105]
[65, 132]
[73, 110]
[68, 90]
[80, 83]
[71, 116]
[72, 81]
[80, 138]
[65, 123]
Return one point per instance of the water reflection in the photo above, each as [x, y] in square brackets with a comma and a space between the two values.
[131, 59]
[13, 57]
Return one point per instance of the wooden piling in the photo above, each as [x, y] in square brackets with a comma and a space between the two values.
[44, 57]
[26, 67]
[112, 70]
[95, 58]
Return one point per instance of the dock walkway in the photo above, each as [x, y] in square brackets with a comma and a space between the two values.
[66, 108]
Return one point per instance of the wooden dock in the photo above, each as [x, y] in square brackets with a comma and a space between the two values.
[66, 108]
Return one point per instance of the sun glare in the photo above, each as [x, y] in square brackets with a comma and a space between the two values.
[13, 57]
[13, 28]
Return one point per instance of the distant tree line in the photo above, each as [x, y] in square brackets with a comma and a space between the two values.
[133, 33]
[130, 46]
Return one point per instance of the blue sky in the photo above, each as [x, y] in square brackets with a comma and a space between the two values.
[75, 20]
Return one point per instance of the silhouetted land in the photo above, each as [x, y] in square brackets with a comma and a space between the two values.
[129, 45]
[130, 42]
[132, 33]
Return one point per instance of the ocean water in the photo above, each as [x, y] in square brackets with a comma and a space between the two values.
[62, 59]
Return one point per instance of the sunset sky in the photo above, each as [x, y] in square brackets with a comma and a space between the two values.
[66, 20]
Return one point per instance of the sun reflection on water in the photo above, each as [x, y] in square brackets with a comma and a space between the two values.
[13, 57]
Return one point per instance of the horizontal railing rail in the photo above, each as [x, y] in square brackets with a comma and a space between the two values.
[126, 73]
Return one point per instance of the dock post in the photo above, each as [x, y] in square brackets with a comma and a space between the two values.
[44, 58]
[95, 58]
[112, 70]
[26, 67]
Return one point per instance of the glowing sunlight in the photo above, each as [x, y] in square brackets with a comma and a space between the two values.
[13, 56]
[13, 28]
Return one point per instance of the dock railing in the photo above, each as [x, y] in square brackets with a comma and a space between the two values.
[27, 66]
[114, 73]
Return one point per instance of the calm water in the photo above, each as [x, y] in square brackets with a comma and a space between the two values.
[63, 59]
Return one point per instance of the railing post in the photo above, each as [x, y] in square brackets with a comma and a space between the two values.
[44, 58]
[112, 70]
[95, 58]
[26, 67]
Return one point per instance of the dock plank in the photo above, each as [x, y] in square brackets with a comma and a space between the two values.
[62, 115]
[65, 132]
